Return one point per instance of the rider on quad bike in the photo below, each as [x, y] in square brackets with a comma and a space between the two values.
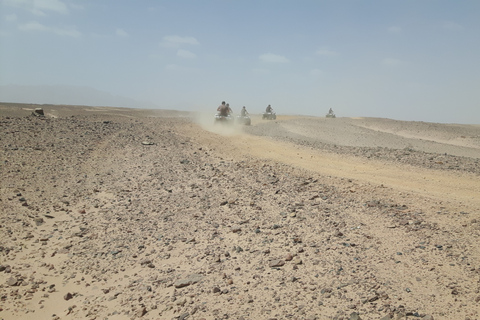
[243, 112]
[330, 114]
[224, 109]
[243, 118]
[269, 114]
[224, 113]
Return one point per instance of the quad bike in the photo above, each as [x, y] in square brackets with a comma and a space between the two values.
[245, 120]
[269, 115]
[330, 114]
[223, 119]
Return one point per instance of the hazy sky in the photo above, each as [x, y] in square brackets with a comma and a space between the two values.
[407, 60]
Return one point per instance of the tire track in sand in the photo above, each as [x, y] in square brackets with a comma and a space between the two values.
[457, 188]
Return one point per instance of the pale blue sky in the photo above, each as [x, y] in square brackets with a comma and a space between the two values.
[407, 60]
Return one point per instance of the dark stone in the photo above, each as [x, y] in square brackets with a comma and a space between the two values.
[38, 112]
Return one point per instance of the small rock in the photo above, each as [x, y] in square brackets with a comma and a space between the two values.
[38, 112]
[68, 296]
[276, 263]
[12, 281]
[145, 262]
[182, 283]
[192, 279]
[236, 229]
[184, 316]
[354, 316]
[39, 221]
[141, 312]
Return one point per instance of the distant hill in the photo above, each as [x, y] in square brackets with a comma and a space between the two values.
[68, 95]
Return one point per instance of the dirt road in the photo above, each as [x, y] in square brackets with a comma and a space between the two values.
[457, 189]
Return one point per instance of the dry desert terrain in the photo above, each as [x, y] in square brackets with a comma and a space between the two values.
[113, 213]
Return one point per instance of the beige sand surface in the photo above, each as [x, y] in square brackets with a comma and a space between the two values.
[111, 213]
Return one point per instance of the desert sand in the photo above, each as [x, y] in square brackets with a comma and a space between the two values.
[115, 213]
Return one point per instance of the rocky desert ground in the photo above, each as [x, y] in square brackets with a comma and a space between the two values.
[113, 213]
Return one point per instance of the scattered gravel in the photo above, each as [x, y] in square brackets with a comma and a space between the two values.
[113, 214]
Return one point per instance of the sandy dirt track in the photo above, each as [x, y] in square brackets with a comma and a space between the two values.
[111, 213]
[459, 187]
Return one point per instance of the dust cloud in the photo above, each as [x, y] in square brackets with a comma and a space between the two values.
[207, 121]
